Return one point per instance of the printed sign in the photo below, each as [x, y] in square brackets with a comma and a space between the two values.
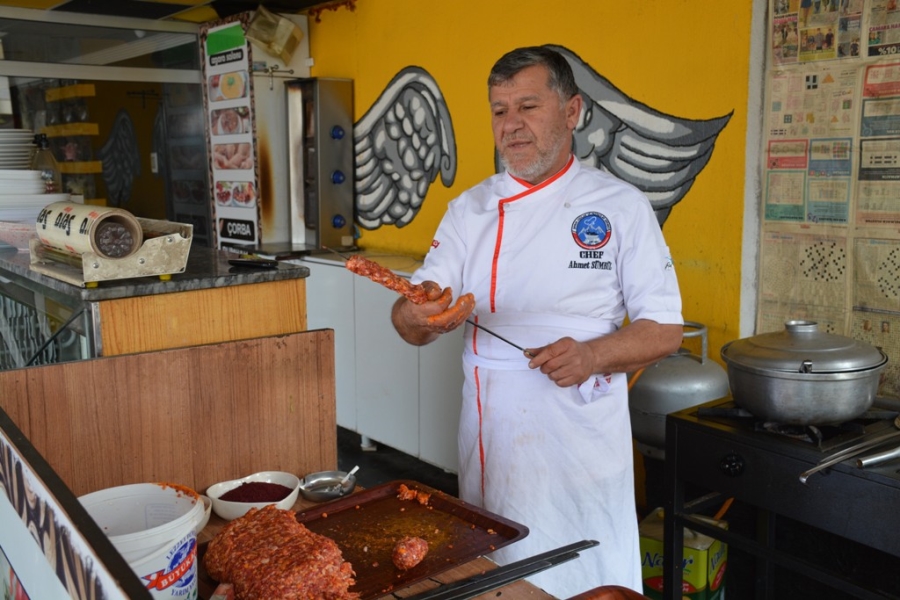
[228, 91]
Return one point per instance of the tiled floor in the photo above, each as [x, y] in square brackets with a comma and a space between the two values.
[387, 464]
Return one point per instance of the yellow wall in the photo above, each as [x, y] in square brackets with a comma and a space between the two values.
[687, 58]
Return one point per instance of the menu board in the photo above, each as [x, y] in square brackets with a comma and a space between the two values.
[228, 91]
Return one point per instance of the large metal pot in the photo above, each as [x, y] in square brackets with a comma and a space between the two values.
[803, 376]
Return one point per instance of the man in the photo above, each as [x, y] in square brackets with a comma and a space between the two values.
[556, 255]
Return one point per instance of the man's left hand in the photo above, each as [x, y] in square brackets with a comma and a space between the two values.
[565, 361]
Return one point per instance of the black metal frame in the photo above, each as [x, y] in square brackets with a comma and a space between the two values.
[761, 471]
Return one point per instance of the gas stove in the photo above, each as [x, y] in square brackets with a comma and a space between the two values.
[826, 439]
[725, 452]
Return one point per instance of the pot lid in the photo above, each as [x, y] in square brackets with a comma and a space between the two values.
[802, 348]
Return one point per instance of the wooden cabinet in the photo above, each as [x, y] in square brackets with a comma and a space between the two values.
[404, 396]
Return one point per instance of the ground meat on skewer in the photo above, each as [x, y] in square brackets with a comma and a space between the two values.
[384, 276]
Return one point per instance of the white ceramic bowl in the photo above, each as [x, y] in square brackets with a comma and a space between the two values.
[207, 511]
[232, 510]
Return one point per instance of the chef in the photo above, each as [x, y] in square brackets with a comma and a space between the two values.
[557, 255]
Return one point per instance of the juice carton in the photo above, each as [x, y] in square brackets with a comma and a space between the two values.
[704, 560]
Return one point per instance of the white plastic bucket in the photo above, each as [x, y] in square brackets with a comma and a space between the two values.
[153, 527]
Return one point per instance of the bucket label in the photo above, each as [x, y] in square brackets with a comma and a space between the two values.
[179, 577]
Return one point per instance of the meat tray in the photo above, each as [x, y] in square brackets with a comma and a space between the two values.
[367, 524]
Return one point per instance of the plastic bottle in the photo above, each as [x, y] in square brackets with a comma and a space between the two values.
[45, 162]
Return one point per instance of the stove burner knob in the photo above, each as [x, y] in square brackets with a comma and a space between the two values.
[732, 465]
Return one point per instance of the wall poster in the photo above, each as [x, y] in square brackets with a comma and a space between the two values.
[830, 214]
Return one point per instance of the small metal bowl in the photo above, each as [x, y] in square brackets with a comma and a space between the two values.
[325, 485]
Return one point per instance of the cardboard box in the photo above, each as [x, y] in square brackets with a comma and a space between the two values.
[704, 560]
[274, 34]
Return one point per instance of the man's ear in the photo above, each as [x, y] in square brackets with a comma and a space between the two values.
[573, 111]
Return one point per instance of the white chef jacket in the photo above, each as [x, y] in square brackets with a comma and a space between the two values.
[568, 257]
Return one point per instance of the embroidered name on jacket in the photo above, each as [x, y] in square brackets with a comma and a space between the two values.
[591, 231]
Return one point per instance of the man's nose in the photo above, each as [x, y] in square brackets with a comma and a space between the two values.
[512, 121]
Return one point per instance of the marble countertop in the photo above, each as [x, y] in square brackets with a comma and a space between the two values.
[206, 268]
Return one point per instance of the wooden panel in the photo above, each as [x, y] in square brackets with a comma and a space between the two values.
[181, 319]
[192, 416]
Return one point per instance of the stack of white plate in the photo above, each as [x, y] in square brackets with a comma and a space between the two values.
[16, 147]
[22, 197]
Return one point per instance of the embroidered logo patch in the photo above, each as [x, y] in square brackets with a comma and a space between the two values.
[591, 230]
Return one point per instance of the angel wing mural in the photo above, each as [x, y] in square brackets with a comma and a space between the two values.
[401, 145]
[121, 159]
[658, 153]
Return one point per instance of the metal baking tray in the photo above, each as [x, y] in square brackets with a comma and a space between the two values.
[367, 524]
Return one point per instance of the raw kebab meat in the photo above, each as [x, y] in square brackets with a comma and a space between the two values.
[268, 555]
[409, 552]
[415, 293]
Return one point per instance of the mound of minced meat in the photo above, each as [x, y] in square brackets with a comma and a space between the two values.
[268, 555]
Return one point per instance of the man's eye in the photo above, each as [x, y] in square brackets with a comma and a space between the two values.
[499, 113]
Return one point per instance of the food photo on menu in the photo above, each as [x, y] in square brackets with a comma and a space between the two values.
[189, 191]
[235, 193]
[230, 121]
[243, 193]
[228, 86]
[233, 156]
[223, 193]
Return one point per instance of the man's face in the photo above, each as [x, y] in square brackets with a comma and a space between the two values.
[532, 129]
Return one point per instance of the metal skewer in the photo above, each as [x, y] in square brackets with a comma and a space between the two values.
[851, 452]
[499, 337]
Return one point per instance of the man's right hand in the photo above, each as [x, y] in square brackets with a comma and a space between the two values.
[411, 320]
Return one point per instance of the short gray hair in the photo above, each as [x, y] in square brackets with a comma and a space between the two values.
[561, 79]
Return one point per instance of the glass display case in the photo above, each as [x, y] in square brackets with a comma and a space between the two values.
[121, 103]
[39, 326]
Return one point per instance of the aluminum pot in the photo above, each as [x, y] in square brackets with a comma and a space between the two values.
[676, 382]
[803, 376]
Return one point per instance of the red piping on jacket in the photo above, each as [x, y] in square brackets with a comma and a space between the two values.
[480, 439]
[501, 209]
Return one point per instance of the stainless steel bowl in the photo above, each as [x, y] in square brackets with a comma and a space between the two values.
[326, 485]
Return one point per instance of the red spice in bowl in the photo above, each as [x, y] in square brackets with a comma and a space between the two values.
[257, 491]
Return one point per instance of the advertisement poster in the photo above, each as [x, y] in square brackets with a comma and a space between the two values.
[884, 28]
[228, 90]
